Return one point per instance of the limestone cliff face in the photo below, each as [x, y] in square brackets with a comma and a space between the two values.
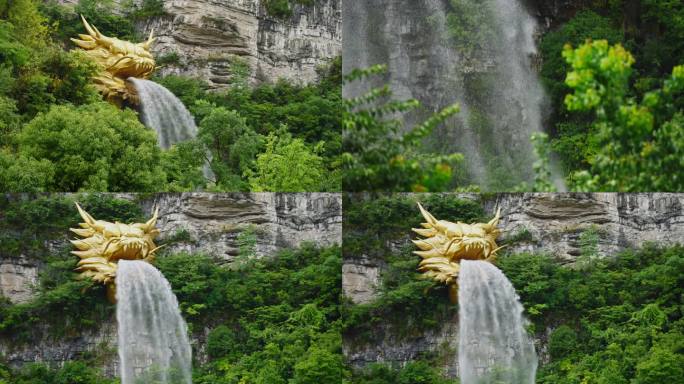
[552, 13]
[550, 223]
[212, 38]
[213, 222]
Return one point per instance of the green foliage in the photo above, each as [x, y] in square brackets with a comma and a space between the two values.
[233, 146]
[278, 8]
[29, 24]
[378, 155]
[73, 372]
[573, 139]
[641, 143]
[617, 321]
[562, 342]
[93, 147]
[65, 20]
[289, 165]
[171, 58]
[183, 165]
[148, 8]
[586, 25]
[38, 228]
[469, 25]
[373, 228]
[652, 30]
[415, 372]
[283, 8]
[273, 320]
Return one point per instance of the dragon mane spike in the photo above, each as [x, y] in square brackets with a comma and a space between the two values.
[93, 32]
[428, 232]
[497, 249]
[151, 222]
[86, 217]
[428, 254]
[87, 232]
[495, 221]
[151, 253]
[423, 245]
[149, 41]
[85, 44]
[430, 219]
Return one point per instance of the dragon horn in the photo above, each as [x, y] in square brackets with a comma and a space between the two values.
[151, 222]
[150, 40]
[495, 221]
[92, 31]
[430, 219]
[86, 217]
[95, 33]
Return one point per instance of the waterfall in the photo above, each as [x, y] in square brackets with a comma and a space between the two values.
[487, 67]
[162, 111]
[153, 340]
[493, 344]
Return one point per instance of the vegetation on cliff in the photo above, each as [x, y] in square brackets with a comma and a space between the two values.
[638, 114]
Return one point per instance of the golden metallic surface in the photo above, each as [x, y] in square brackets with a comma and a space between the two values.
[118, 60]
[103, 244]
[445, 244]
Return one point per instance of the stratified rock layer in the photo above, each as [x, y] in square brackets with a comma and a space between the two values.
[213, 39]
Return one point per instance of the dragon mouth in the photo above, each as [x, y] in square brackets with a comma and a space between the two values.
[105, 243]
[445, 244]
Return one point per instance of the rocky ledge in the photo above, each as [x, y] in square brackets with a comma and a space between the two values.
[215, 39]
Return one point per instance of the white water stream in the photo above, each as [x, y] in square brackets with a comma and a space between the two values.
[494, 346]
[153, 337]
[162, 111]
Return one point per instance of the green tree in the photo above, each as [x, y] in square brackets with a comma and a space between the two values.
[641, 143]
[232, 144]
[660, 366]
[25, 174]
[378, 155]
[289, 165]
[30, 26]
[183, 165]
[318, 366]
[572, 137]
[9, 120]
[93, 147]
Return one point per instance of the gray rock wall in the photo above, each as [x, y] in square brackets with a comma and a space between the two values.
[211, 36]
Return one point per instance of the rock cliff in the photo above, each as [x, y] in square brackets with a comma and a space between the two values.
[214, 39]
[211, 224]
[549, 223]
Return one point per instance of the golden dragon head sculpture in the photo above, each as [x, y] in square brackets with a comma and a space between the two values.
[118, 60]
[446, 244]
[103, 244]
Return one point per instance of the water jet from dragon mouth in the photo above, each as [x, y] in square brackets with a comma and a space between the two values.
[494, 346]
[153, 337]
[162, 111]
